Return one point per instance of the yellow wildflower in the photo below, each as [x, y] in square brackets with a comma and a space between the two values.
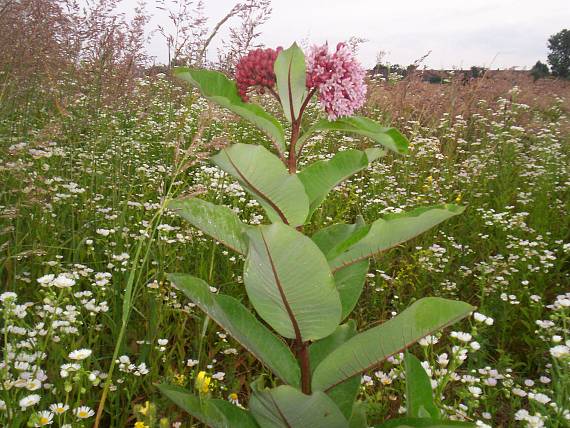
[144, 409]
[458, 199]
[140, 424]
[180, 379]
[203, 382]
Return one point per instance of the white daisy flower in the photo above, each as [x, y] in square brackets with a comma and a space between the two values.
[80, 354]
[83, 412]
[30, 400]
[59, 408]
[44, 418]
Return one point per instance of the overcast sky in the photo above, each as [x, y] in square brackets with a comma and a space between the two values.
[491, 33]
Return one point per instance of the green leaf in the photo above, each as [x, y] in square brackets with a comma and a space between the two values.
[218, 88]
[322, 176]
[358, 416]
[233, 317]
[390, 138]
[289, 283]
[419, 393]
[212, 412]
[349, 283]
[344, 394]
[332, 241]
[217, 221]
[392, 230]
[290, 72]
[320, 349]
[337, 238]
[262, 174]
[286, 407]
[366, 350]
[423, 423]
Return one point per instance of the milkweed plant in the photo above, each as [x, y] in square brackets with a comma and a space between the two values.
[303, 288]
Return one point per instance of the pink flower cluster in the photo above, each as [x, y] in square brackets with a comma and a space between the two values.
[338, 78]
[255, 70]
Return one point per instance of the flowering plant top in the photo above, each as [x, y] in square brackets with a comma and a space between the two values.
[304, 288]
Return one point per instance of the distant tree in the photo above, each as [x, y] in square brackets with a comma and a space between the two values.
[559, 56]
[477, 72]
[539, 71]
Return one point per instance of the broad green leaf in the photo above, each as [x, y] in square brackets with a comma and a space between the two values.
[335, 239]
[290, 72]
[332, 241]
[233, 317]
[289, 283]
[366, 350]
[349, 283]
[344, 394]
[218, 88]
[287, 407]
[390, 138]
[212, 412]
[423, 423]
[392, 230]
[419, 394]
[320, 349]
[218, 221]
[322, 176]
[262, 174]
[358, 416]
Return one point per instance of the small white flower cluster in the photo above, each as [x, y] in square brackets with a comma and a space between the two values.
[125, 366]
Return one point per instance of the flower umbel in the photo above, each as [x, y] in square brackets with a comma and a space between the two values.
[256, 70]
[338, 78]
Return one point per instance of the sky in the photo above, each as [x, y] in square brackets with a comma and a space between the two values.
[459, 34]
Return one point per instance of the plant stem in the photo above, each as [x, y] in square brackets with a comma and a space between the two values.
[304, 362]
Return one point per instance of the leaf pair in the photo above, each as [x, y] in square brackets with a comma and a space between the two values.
[289, 198]
[290, 69]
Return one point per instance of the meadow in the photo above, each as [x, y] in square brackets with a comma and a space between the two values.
[86, 243]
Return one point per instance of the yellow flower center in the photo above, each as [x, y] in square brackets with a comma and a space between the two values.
[83, 414]
[44, 420]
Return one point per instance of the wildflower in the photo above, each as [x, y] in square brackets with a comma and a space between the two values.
[256, 70]
[428, 340]
[44, 418]
[203, 382]
[46, 280]
[459, 335]
[140, 424]
[59, 408]
[233, 398]
[338, 78]
[83, 412]
[63, 281]
[180, 378]
[218, 376]
[28, 401]
[144, 409]
[80, 354]
[475, 390]
[560, 351]
[519, 392]
[541, 398]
